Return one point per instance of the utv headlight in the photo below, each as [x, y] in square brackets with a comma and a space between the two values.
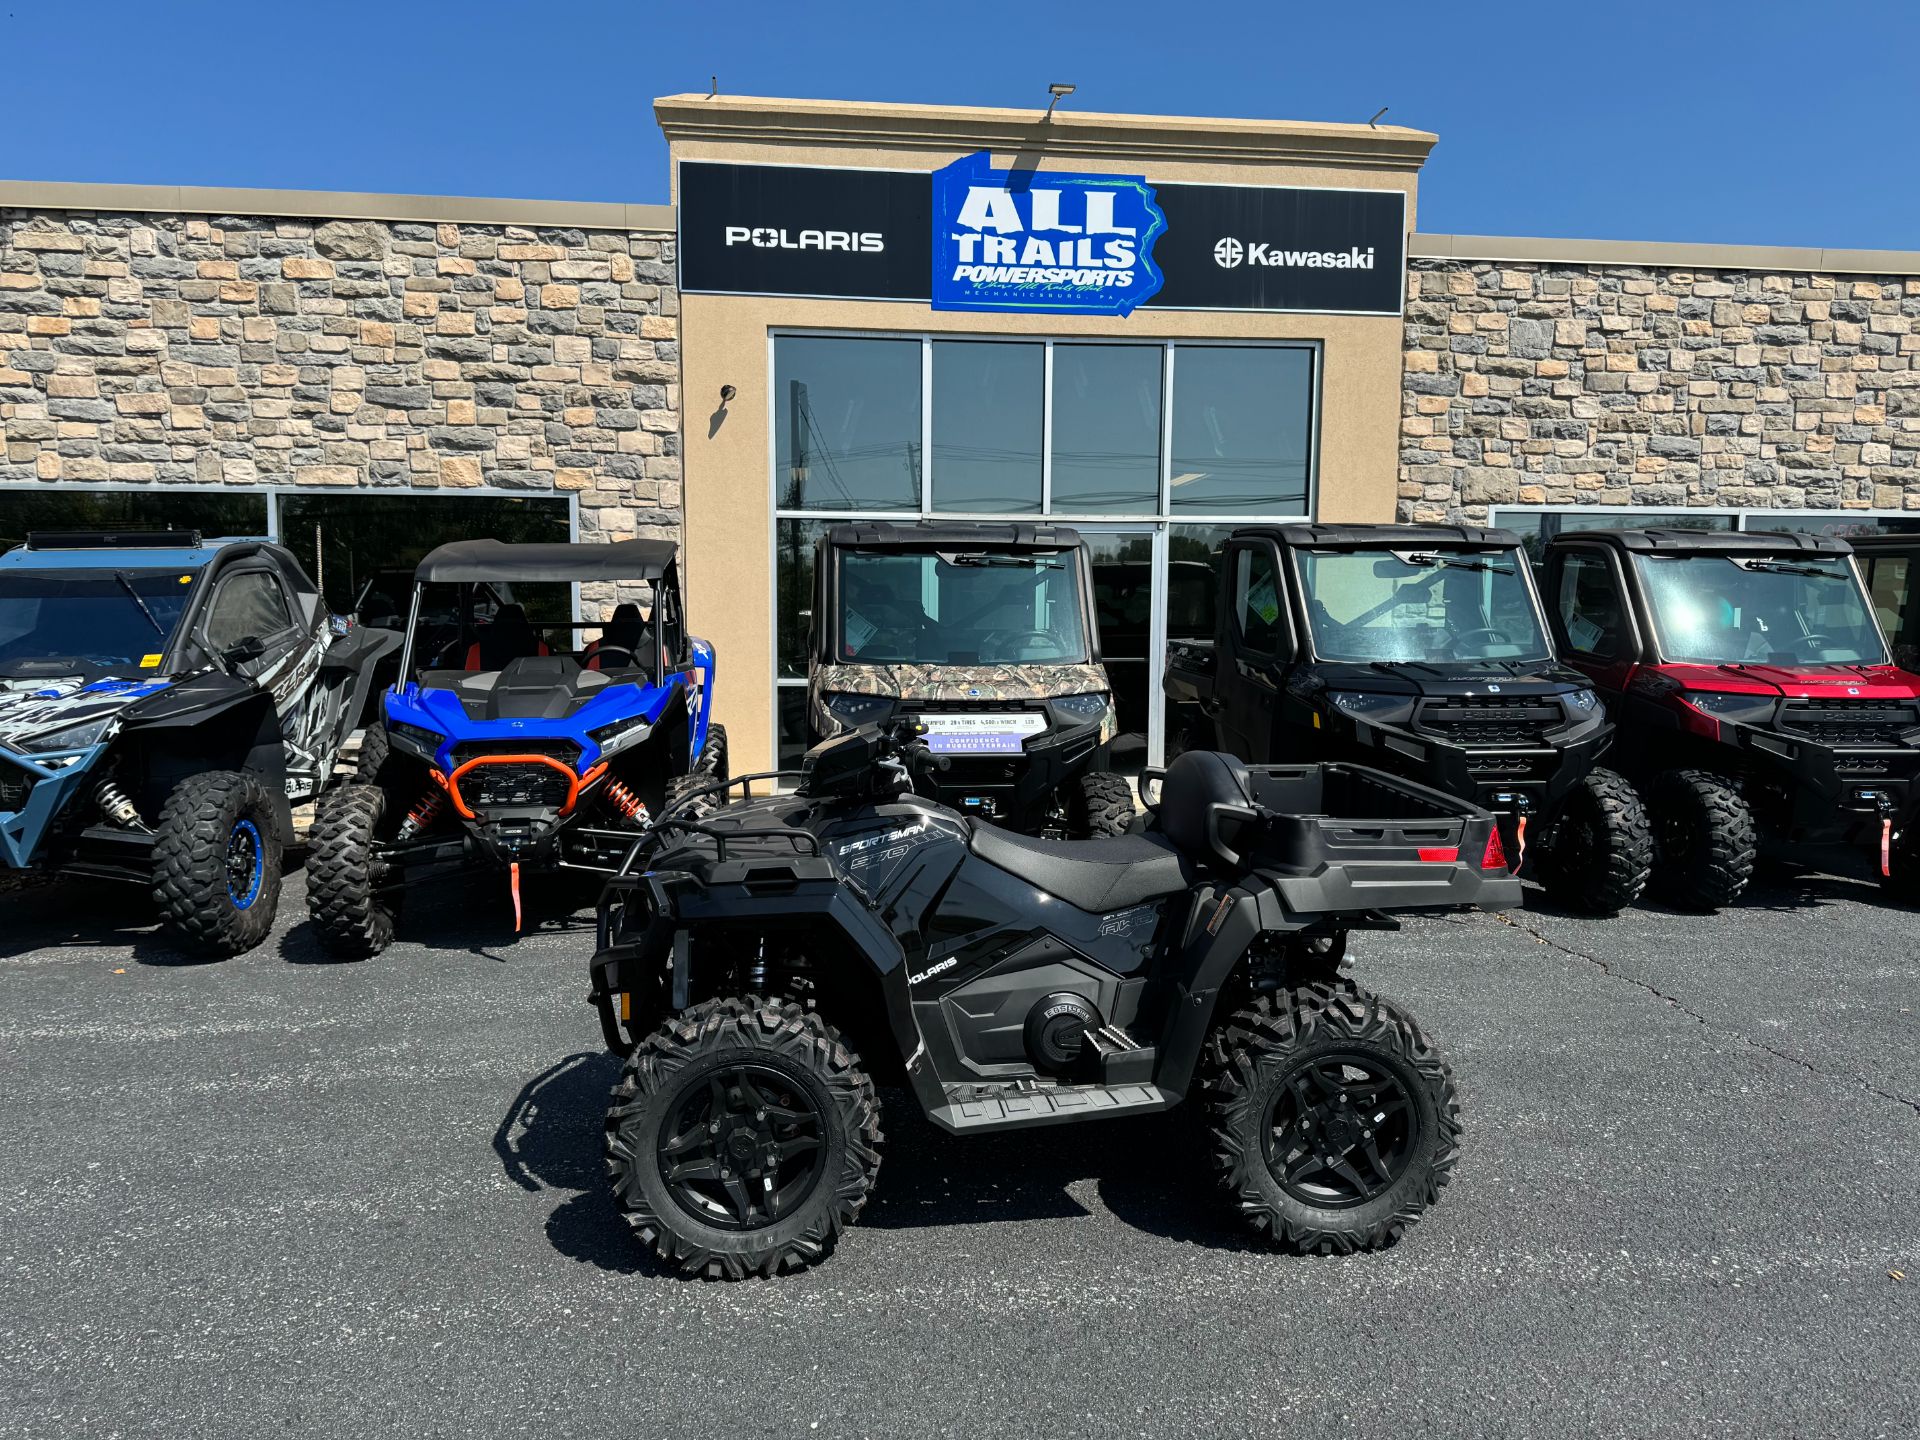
[1090, 706]
[853, 711]
[1372, 706]
[1581, 702]
[417, 739]
[621, 733]
[1725, 705]
[74, 737]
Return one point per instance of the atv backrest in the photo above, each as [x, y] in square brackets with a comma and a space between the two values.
[1205, 795]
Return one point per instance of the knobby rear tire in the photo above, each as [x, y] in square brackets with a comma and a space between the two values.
[351, 917]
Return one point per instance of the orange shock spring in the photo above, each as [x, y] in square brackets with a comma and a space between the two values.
[622, 798]
[424, 812]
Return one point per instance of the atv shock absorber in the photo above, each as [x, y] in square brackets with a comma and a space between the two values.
[620, 795]
[424, 812]
[115, 805]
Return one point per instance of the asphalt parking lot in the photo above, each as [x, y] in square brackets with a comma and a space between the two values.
[279, 1195]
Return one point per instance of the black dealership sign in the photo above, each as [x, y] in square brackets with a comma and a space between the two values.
[867, 234]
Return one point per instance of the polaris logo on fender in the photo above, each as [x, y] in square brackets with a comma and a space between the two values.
[933, 970]
[1229, 253]
[861, 242]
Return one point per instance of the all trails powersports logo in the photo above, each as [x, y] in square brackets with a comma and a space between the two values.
[1024, 240]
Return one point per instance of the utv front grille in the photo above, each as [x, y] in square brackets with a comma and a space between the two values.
[1876, 724]
[567, 753]
[488, 777]
[1489, 721]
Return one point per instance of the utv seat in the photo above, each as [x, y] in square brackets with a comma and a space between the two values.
[1097, 876]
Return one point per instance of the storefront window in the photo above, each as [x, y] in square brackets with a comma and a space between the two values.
[1106, 428]
[1242, 430]
[793, 561]
[846, 424]
[987, 401]
[209, 512]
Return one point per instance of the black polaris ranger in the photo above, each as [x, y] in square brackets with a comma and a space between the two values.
[986, 634]
[757, 967]
[1420, 649]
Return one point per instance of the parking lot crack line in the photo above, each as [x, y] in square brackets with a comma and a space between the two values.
[1674, 1002]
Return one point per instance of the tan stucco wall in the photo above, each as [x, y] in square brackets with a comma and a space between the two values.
[724, 341]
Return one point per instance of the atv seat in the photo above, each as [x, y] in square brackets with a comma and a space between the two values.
[1194, 784]
[1097, 876]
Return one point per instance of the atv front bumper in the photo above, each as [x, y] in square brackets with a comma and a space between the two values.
[1833, 794]
[1531, 779]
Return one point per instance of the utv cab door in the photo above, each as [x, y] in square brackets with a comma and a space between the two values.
[248, 627]
[1891, 577]
[1255, 643]
[1592, 621]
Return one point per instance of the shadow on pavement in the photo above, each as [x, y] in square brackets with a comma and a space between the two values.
[1150, 1173]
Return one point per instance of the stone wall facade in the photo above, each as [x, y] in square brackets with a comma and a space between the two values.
[1566, 384]
[155, 349]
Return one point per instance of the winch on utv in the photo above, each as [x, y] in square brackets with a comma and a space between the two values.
[501, 748]
[758, 967]
[1420, 649]
[1756, 704]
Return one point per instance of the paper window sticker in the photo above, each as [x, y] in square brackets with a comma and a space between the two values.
[149, 662]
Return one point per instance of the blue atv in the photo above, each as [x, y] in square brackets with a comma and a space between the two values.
[165, 703]
[506, 746]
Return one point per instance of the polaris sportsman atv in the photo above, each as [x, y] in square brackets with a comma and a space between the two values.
[164, 702]
[1420, 649]
[1755, 701]
[499, 749]
[986, 634]
[757, 967]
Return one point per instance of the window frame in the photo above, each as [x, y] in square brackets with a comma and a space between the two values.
[229, 575]
[1632, 643]
[1161, 519]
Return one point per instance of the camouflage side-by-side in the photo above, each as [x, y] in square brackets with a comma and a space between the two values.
[963, 683]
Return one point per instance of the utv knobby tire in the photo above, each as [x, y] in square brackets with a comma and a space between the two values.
[375, 750]
[1253, 1059]
[351, 916]
[202, 822]
[695, 1047]
[1099, 803]
[679, 787]
[713, 755]
[1600, 852]
[1704, 842]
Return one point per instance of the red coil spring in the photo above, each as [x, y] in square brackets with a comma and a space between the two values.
[424, 812]
[624, 800]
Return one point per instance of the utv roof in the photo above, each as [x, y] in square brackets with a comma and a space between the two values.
[1896, 540]
[1384, 537]
[120, 550]
[465, 560]
[1711, 542]
[952, 535]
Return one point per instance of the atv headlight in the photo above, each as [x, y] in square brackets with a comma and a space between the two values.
[621, 733]
[74, 737]
[416, 738]
[1727, 705]
[853, 711]
[1372, 706]
[1090, 706]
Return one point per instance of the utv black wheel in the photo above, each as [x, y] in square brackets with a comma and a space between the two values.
[713, 755]
[375, 750]
[1333, 1118]
[679, 787]
[352, 916]
[1599, 852]
[216, 862]
[1099, 803]
[742, 1138]
[1704, 845]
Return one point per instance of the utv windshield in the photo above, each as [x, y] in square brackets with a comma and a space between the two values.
[103, 621]
[1732, 610]
[916, 608]
[1449, 605]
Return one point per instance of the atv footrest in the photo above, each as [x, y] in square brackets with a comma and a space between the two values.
[1123, 1059]
[972, 1107]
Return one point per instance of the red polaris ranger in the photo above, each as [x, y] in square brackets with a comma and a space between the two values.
[1755, 701]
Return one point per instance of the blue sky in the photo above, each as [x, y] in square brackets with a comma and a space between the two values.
[1758, 123]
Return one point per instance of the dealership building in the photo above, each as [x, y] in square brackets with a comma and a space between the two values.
[1152, 329]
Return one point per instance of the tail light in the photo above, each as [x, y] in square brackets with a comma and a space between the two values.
[1496, 855]
[1439, 854]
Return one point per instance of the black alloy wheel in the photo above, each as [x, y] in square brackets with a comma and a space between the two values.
[743, 1146]
[1340, 1130]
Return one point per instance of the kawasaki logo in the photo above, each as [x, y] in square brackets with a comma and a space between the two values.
[1229, 252]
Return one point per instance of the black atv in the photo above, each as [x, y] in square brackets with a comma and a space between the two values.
[754, 965]
[986, 634]
[1420, 649]
[165, 702]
